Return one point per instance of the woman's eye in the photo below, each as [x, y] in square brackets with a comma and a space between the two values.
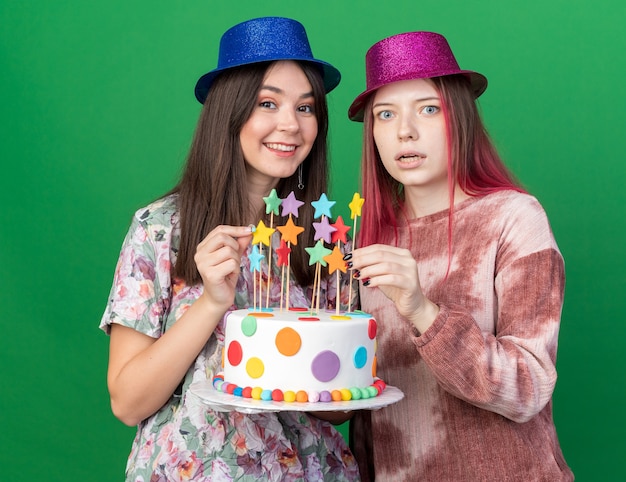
[307, 109]
[384, 115]
[267, 104]
[430, 109]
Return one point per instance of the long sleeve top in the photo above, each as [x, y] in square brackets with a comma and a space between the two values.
[478, 383]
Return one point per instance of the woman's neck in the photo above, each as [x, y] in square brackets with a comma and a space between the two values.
[256, 192]
[420, 203]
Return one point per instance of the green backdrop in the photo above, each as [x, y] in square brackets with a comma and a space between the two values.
[97, 114]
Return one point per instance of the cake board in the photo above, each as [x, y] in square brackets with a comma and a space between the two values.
[225, 402]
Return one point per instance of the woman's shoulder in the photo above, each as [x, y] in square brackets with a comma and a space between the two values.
[163, 211]
[519, 217]
[510, 204]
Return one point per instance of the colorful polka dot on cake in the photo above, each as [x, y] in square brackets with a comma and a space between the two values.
[360, 357]
[288, 341]
[255, 367]
[235, 353]
[325, 366]
[372, 328]
[248, 325]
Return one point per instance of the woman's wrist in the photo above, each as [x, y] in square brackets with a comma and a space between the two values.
[425, 317]
[208, 310]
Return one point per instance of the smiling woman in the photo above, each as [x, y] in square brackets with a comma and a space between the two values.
[184, 265]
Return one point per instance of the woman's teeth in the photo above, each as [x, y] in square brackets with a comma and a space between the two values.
[409, 158]
[281, 147]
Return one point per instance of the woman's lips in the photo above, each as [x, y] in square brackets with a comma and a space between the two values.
[410, 159]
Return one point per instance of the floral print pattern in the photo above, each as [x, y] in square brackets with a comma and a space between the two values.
[186, 440]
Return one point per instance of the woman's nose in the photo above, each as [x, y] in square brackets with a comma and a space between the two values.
[288, 121]
[407, 129]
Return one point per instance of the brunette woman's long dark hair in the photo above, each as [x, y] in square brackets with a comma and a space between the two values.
[213, 189]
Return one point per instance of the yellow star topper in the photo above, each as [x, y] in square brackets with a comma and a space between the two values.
[355, 205]
[262, 234]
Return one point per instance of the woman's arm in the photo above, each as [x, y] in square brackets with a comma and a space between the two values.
[336, 418]
[144, 371]
[512, 370]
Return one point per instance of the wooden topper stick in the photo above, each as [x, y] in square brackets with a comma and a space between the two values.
[272, 202]
[355, 211]
[351, 278]
[254, 291]
[288, 279]
[338, 284]
[319, 286]
[282, 286]
[338, 236]
[260, 236]
[269, 264]
[283, 252]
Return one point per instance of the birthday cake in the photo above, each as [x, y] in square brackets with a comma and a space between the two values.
[300, 354]
[296, 356]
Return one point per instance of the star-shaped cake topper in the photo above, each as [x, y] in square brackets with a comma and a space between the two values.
[323, 230]
[291, 205]
[272, 202]
[262, 234]
[255, 259]
[322, 206]
[289, 232]
[355, 205]
[283, 254]
[340, 231]
[335, 261]
[317, 253]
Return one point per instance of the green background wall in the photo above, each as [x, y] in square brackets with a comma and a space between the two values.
[97, 112]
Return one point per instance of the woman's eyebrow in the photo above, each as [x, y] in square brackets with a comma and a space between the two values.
[277, 90]
[422, 99]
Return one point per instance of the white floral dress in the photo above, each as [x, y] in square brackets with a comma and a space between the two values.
[185, 439]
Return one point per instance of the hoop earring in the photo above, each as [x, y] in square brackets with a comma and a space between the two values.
[300, 183]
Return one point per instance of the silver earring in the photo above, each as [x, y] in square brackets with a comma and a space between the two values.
[300, 183]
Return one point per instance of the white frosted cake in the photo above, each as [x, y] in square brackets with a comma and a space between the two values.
[295, 356]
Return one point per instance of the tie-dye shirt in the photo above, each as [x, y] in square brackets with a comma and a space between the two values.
[185, 439]
[478, 383]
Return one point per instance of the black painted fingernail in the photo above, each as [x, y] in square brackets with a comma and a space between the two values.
[349, 264]
[347, 257]
[356, 274]
[366, 282]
